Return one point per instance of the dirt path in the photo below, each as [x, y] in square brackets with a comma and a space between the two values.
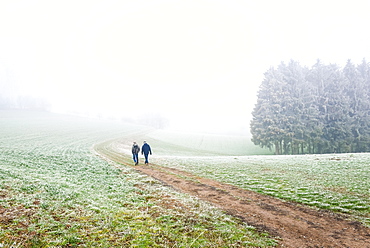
[294, 224]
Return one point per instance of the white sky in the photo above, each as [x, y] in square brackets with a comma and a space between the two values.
[197, 62]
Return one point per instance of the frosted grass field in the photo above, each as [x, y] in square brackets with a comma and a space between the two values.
[338, 182]
[55, 192]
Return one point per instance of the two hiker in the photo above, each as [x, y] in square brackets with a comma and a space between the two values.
[145, 149]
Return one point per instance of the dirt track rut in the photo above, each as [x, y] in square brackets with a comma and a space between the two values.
[293, 224]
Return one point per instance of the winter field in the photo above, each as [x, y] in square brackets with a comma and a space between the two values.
[336, 182]
[55, 192]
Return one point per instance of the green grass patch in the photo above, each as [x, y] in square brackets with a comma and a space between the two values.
[190, 144]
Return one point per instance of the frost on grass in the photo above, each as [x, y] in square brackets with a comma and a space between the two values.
[190, 217]
[55, 192]
[337, 182]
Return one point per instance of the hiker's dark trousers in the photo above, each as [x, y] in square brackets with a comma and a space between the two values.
[146, 155]
[135, 157]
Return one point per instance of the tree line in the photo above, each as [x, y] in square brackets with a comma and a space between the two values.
[24, 102]
[322, 109]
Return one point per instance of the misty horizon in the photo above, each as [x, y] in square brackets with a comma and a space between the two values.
[196, 64]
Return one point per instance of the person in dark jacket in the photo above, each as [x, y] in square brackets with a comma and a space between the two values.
[145, 149]
[135, 153]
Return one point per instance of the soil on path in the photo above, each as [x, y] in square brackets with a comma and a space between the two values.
[294, 225]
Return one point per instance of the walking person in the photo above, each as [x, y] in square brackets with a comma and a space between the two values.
[145, 149]
[135, 153]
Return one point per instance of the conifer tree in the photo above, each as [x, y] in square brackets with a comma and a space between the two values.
[293, 107]
[266, 124]
[319, 110]
[360, 104]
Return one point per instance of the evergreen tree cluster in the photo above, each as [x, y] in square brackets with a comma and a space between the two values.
[322, 109]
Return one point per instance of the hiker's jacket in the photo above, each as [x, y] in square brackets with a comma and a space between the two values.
[145, 149]
[135, 149]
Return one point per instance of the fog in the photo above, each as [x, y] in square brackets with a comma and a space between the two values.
[197, 64]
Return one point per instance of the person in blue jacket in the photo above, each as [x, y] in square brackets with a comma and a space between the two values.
[145, 149]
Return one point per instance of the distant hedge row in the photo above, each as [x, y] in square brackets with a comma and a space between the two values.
[322, 109]
[23, 102]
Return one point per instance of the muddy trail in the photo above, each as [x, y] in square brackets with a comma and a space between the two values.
[292, 224]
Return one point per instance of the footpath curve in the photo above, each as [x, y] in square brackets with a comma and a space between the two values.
[294, 225]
